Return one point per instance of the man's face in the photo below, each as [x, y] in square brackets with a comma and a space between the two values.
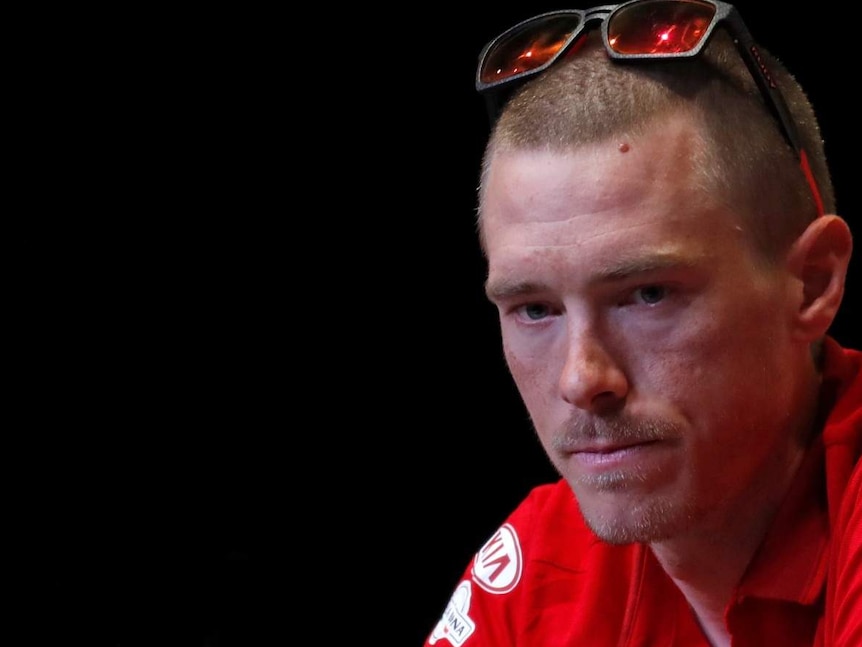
[651, 348]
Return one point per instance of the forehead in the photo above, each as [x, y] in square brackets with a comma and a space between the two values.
[613, 197]
[671, 150]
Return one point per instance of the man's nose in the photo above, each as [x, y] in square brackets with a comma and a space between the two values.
[592, 378]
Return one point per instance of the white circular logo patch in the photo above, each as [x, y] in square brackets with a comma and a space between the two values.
[497, 566]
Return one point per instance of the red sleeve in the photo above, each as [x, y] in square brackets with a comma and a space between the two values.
[543, 577]
[483, 609]
[472, 618]
[479, 613]
[844, 589]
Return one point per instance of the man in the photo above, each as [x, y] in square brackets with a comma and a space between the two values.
[658, 221]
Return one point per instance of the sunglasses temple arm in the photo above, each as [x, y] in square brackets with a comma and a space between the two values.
[495, 99]
[492, 108]
[763, 77]
[768, 88]
[779, 106]
[812, 182]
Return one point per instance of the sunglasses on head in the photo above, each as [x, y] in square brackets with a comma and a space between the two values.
[634, 30]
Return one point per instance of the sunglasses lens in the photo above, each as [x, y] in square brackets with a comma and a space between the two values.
[527, 47]
[659, 26]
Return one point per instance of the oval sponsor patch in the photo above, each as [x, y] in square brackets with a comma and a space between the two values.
[455, 625]
[497, 566]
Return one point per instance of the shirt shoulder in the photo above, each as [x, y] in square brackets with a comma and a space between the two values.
[842, 438]
[843, 609]
[842, 430]
[544, 578]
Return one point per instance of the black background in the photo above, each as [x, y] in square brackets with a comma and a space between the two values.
[264, 390]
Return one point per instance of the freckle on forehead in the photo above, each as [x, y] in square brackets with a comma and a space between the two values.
[624, 147]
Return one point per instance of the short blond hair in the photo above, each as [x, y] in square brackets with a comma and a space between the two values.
[744, 158]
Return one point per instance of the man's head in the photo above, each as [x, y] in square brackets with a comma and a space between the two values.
[660, 271]
[743, 154]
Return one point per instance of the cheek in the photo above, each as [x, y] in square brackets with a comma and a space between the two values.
[709, 344]
[520, 365]
[532, 372]
[719, 378]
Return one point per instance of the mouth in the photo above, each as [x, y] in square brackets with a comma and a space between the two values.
[610, 447]
[615, 455]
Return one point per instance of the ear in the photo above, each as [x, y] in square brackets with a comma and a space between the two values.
[819, 260]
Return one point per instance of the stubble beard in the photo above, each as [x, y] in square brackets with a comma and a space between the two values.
[654, 519]
[647, 517]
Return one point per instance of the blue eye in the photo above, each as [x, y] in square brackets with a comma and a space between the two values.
[535, 311]
[652, 294]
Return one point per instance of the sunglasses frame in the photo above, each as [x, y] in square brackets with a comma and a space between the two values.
[726, 15]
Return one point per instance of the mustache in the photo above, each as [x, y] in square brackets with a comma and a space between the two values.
[613, 430]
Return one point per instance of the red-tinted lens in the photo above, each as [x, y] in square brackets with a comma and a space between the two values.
[659, 26]
[528, 47]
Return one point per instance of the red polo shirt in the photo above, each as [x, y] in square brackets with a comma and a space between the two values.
[545, 580]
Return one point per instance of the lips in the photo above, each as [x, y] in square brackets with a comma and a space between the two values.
[609, 448]
[616, 455]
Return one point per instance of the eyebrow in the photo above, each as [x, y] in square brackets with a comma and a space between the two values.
[617, 271]
[505, 289]
[625, 268]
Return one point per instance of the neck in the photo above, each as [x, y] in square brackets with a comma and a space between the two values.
[708, 563]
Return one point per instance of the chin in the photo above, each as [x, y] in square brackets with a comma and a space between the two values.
[627, 533]
[625, 522]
